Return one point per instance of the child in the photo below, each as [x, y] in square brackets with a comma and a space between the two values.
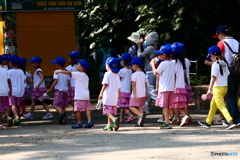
[81, 96]
[28, 80]
[73, 58]
[180, 93]
[17, 87]
[61, 85]
[4, 92]
[39, 89]
[110, 93]
[218, 87]
[139, 90]
[5, 61]
[166, 72]
[125, 76]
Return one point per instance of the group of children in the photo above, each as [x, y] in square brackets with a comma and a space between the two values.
[126, 88]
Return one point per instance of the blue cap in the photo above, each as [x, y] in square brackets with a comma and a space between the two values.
[165, 49]
[59, 60]
[126, 57]
[36, 59]
[112, 63]
[221, 28]
[214, 50]
[14, 59]
[136, 60]
[22, 61]
[74, 54]
[1, 59]
[5, 56]
[84, 63]
[177, 47]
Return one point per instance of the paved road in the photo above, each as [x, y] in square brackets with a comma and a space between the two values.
[45, 139]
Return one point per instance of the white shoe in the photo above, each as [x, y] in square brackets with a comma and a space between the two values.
[48, 116]
[160, 120]
[224, 123]
[28, 115]
[231, 126]
[185, 121]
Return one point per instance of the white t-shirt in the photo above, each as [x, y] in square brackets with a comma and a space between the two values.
[166, 71]
[227, 52]
[71, 68]
[140, 78]
[81, 87]
[27, 75]
[37, 78]
[5, 67]
[17, 78]
[125, 76]
[180, 79]
[110, 95]
[221, 80]
[63, 79]
[4, 89]
[187, 64]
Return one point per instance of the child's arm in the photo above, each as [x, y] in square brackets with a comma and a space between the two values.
[10, 87]
[53, 85]
[119, 93]
[210, 88]
[102, 90]
[157, 83]
[134, 89]
[64, 72]
[41, 80]
[69, 86]
[152, 63]
[146, 90]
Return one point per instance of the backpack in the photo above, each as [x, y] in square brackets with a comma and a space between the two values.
[234, 67]
[106, 55]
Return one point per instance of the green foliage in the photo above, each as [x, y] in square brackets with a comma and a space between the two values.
[192, 22]
[202, 79]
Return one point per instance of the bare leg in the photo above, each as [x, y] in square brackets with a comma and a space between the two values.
[136, 111]
[23, 106]
[33, 103]
[126, 110]
[59, 110]
[166, 114]
[6, 112]
[15, 111]
[79, 117]
[110, 119]
[176, 110]
[89, 116]
[121, 114]
[45, 106]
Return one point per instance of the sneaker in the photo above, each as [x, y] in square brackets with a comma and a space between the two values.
[231, 126]
[9, 122]
[89, 125]
[218, 122]
[204, 124]
[16, 122]
[238, 124]
[166, 126]
[116, 123]
[224, 123]
[160, 120]
[184, 121]
[77, 125]
[48, 116]
[130, 120]
[28, 115]
[107, 128]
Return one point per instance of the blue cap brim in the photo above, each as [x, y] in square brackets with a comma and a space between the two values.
[53, 62]
[31, 60]
[120, 58]
[114, 69]
[159, 52]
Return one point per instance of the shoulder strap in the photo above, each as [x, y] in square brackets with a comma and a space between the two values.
[228, 46]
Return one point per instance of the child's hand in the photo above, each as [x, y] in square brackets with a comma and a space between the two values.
[209, 92]
[136, 99]
[37, 86]
[48, 91]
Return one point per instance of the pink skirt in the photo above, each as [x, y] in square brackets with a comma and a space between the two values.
[71, 94]
[60, 99]
[124, 99]
[189, 93]
[180, 98]
[25, 95]
[109, 109]
[38, 92]
[82, 105]
[16, 101]
[137, 102]
[165, 99]
[4, 103]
